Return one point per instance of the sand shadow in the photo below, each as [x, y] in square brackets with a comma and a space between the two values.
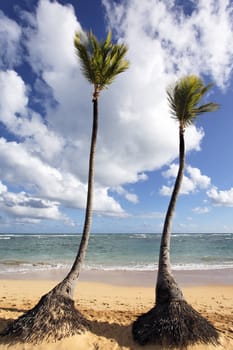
[122, 334]
[3, 324]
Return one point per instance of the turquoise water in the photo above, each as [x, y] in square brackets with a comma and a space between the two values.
[22, 253]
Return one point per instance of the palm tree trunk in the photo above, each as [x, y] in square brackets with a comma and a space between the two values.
[172, 322]
[67, 285]
[166, 287]
[55, 316]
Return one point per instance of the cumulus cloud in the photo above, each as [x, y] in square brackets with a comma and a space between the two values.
[48, 181]
[44, 158]
[200, 181]
[195, 181]
[201, 47]
[30, 208]
[128, 144]
[23, 122]
[51, 45]
[136, 132]
[221, 198]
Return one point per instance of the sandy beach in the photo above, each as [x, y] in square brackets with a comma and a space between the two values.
[112, 307]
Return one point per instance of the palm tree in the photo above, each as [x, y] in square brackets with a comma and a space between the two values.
[100, 62]
[55, 316]
[172, 322]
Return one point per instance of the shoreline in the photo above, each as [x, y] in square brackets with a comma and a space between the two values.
[185, 278]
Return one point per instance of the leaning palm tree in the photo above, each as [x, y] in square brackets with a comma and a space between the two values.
[172, 322]
[55, 316]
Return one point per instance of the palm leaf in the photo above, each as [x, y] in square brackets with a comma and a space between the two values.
[185, 97]
[101, 61]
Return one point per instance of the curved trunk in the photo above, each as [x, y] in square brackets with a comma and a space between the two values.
[55, 316]
[166, 287]
[66, 287]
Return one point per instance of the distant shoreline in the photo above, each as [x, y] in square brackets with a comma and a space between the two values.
[128, 260]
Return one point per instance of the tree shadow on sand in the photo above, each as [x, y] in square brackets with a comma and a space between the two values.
[3, 324]
[122, 334]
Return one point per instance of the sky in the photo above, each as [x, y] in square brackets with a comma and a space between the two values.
[46, 117]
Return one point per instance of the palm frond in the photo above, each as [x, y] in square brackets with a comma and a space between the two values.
[209, 107]
[184, 99]
[101, 61]
[81, 45]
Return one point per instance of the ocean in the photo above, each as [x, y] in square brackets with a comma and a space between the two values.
[129, 252]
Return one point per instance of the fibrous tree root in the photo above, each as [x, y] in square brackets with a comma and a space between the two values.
[53, 318]
[174, 325]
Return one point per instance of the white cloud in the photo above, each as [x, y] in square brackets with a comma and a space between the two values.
[50, 39]
[13, 98]
[171, 172]
[221, 198]
[201, 210]
[47, 181]
[23, 122]
[200, 181]
[136, 132]
[128, 144]
[131, 197]
[194, 182]
[30, 208]
[3, 188]
[134, 118]
[165, 190]
[182, 44]
[10, 34]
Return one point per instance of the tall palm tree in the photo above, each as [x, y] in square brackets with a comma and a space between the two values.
[100, 62]
[55, 316]
[172, 322]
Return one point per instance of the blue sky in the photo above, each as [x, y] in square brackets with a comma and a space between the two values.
[46, 111]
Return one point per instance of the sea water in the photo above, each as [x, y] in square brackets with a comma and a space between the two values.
[37, 252]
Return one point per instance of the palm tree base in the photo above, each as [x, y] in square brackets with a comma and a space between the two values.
[173, 325]
[53, 318]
